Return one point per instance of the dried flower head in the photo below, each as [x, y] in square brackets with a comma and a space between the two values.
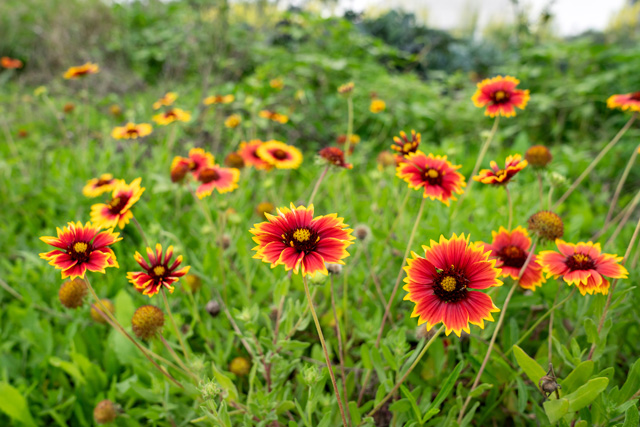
[105, 412]
[94, 313]
[386, 159]
[333, 268]
[362, 232]
[68, 108]
[538, 156]
[240, 366]
[234, 160]
[213, 308]
[72, 293]
[147, 321]
[334, 156]
[546, 225]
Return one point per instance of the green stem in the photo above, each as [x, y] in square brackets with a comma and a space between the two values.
[139, 227]
[317, 186]
[347, 146]
[506, 188]
[623, 179]
[175, 326]
[177, 358]
[340, 348]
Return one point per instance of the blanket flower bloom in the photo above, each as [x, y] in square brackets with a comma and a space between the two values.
[280, 155]
[297, 240]
[198, 160]
[438, 176]
[233, 121]
[500, 96]
[497, 176]
[273, 116]
[168, 99]
[224, 180]
[444, 284]
[583, 265]
[81, 248]
[405, 146]
[131, 131]
[98, 186]
[625, 102]
[334, 156]
[377, 106]
[81, 71]
[159, 272]
[218, 99]
[118, 210]
[249, 153]
[172, 115]
[510, 249]
[10, 63]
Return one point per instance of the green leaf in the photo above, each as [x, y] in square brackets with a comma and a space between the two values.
[14, 404]
[556, 409]
[365, 357]
[447, 386]
[355, 413]
[225, 382]
[631, 418]
[631, 385]
[523, 395]
[430, 414]
[378, 365]
[284, 406]
[124, 307]
[389, 357]
[577, 377]
[530, 367]
[69, 368]
[586, 394]
[591, 330]
[480, 389]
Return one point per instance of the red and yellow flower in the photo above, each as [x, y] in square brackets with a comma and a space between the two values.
[168, 99]
[81, 71]
[277, 84]
[249, 153]
[377, 106]
[218, 99]
[500, 96]
[224, 180]
[444, 284]
[273, 116]
[233, 121]
[118, 210]
[405, 146]
[583, 265]
[81, 248]
[297, 240]
[172, 115]
[10, 63]
[510, 249]
[334, 156]
[435, 174]
[346, 89]
[98, 186]
[198, 160]
[132, 131]
[159, 272]
[625, 102]
[280, 155]
[496, 176]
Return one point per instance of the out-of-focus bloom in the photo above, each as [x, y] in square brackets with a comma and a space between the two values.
[96, 316]
[346, 88]
[497, 176]
[234, 160]
[280, 155]
[377, 106]
[98, 186]
[538, 156]
[405, 146]
[362, 232]
[115, 110]
[118, 210]
[81, 248]
[500, 96]
[180, 166]
[132, 131]
[68, 108]
[625, 102]
[386, 159]
[444, 283]
[172, 115]
[200, 160]
[10, 63]
[334, 156]
[546, 225]
[240, 366]
[224, 180]
[342, 139]
[22, 133]
[147, 322]
[218, 99]
[582, 265]
[40, 90]
[233, 121]
[435, 174]
[159, 271]
[510, 249]
[81, 71]
[295, 239]
[193, 282]
[273, 116]
[168, 99]
[72, 293]
[263, 208]
[277, 84]
[105, 412]
[249, 153]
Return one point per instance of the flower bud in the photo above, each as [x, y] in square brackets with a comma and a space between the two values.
[105, 412]
[538, 156]
[547, 225]
[240, 366]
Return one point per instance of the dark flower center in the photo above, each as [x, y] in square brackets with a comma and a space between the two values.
[301, 239]
[512, 256]
[80, 251]
[208, 175]
[450, 285]
[635, 96]
[132, 131]
[580, 262]
[170, 115]
[102, 182]
[279, 154]
[432, 176]
[117, 204]
[500, 97]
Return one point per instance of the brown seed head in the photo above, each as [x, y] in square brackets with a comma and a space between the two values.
[547, 225]
[240, 366]
[68, 108]
[105, 412]
[97, 317]
[213, 308]
[538, 156]
[72, 293]
[234, 160]
[147, 321]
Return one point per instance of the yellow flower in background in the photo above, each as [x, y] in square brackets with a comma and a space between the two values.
[170, 116]
[233, 121]
[81, 71]
[40, 90]
[168, 99]
[131, 131]
[273, 116]
[218, 99]
[377, 106]
[277, 84]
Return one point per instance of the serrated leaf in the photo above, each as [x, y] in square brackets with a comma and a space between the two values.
[530, 367]
[556, 409]
[14, 404]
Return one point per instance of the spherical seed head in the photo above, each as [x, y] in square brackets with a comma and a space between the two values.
[147, 321]
[362, 232]
[68, 108]
[240, 366]
[264, 207]
[105, 412]
[334, 268]
[115, 110]
[538, 156]
[72, 293]
[225, 241]
[193, 283]
[97, 317]
[213, 308]
[386, 159]
[547, 225]
[234, 160]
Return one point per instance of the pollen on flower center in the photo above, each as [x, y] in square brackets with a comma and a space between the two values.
[301, 235]
[80, 247]
[117, 204]
[580, 262]
[433, 173]
[580, 258]
[448, 283]
[158, 270]
[500, 95]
